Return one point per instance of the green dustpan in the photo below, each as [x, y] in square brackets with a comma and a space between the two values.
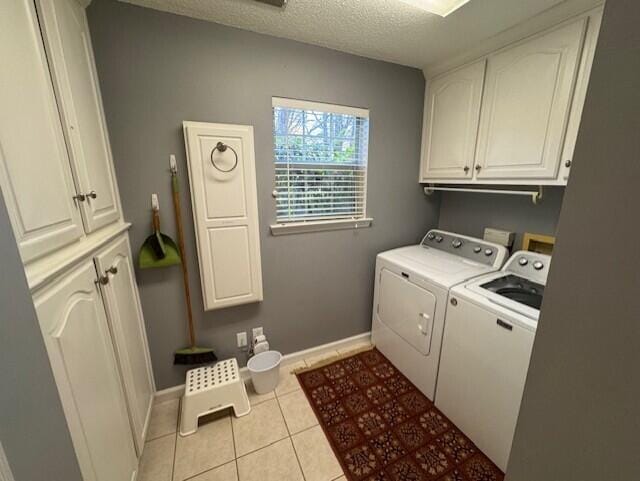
[158, 250]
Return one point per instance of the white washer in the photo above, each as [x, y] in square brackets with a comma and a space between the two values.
[490, 327]
[411, 290]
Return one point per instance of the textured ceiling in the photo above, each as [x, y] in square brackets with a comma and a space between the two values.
[382, 29]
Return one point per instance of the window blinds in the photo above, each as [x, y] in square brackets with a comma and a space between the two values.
[320, 153]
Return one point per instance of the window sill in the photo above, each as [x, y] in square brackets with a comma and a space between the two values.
[319, 225]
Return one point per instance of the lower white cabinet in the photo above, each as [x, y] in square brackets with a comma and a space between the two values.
[76, 334]
[127, 329]
[93, 329]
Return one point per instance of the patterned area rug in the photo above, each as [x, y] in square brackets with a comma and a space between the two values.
[382, 428]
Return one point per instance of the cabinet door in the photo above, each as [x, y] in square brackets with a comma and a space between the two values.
[76, 335]
[127, 327]
[526, 105]
[34, 166]
[225, 213]
[452, 113]
[591, 39]
[69, 47]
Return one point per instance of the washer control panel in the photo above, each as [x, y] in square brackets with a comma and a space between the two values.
[476, 250]
[529, 265]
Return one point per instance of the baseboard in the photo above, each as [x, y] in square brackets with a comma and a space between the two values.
[176, 392]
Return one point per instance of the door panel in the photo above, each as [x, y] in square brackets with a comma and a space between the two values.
[69, 46]
[452, 113]
[74, 326]
[528, 92]
[34, 164]
[483, 368]
[225, 211]
[407, 309]
[128, 332]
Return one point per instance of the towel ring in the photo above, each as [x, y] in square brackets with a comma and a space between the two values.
[222, 148]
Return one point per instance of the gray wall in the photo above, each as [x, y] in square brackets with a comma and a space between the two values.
[470, 213]
[158, 69]
[580, 415]
[33, 430]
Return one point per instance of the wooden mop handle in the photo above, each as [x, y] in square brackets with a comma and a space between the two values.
[185, 273]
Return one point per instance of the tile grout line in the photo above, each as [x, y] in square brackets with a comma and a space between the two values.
[235, 449]
[293, 446]
[217, 465]
[175, 442]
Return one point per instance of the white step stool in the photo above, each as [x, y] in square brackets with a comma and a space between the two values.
[209, 389]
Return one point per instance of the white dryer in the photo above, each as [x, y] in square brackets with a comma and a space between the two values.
[411, 290]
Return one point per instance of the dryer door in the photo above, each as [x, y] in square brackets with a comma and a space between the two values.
[407, 309]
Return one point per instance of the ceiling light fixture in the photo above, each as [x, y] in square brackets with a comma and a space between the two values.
[439, 7]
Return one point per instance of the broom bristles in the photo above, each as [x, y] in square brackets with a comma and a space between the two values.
[194, 355]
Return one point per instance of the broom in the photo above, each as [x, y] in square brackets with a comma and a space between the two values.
[192, 354]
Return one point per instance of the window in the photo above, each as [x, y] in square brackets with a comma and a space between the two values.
[320, 154]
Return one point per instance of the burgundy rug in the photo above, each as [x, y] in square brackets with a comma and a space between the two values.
[382, 428]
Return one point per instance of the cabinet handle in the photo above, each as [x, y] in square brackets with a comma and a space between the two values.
[567, 163]
[93, 194]
[466, 169]
[79, 197]
[112, 270]
[478, 167]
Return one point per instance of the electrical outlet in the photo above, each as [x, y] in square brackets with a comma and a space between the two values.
[241, 337]
[257, 331]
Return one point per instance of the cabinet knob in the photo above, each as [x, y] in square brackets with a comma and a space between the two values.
[466, 169]
[567, 163]
[93, 194]
[103, 280]
[79, 197]
[112, 270]
[478, 167]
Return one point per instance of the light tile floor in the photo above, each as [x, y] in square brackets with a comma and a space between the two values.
[280, 440]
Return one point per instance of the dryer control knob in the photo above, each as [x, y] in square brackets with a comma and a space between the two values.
[523, 261]
[488, 252]
[439, 238]
[456, 243]
[477, 249]
[538, 265]
[431, 236]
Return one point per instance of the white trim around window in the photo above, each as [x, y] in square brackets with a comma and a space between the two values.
[319, 106]
[320, 225]
[320, 160]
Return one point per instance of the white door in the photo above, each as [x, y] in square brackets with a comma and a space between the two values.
[76, 335]
[407, 309]
[124, 313]
[451, 116]
[483, 368]
[69, 45]
[225, 211]
[34, 166]
[527, 99]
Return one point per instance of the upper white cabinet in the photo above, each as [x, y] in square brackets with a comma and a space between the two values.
[451, 116]
[69, 47]
[126, 323]
[526, 106]
[74, 326]
[34, 167]
[512, 117]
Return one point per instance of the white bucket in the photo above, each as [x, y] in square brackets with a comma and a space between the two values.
[265, 371]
